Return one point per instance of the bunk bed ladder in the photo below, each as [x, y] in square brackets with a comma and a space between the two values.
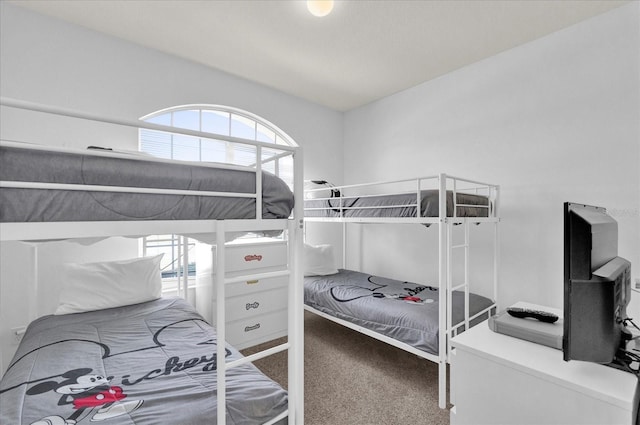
[446, 251]
[443, 293]
[451, 285]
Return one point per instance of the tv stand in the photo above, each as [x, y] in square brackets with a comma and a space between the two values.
[498, 379]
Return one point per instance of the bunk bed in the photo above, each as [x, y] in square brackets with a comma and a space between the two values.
[142, 357]
[418, 318]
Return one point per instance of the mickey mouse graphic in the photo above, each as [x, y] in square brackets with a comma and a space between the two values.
[387, 289]
[85, 391]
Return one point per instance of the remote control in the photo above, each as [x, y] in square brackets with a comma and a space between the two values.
[542, 316]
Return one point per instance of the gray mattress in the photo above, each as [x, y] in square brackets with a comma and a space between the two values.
[372, 302]
[399, 203]
[27, 205]
[148, 363]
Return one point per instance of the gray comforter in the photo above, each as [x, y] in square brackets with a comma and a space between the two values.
[376, 303]
[149, 363]
[25, 205]
[398, 205]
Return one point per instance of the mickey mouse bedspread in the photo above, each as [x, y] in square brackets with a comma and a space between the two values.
[148, 363]
[404, 311]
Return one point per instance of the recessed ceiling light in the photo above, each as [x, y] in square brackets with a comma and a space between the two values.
[320, 8]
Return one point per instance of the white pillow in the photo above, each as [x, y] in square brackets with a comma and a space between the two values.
[96, 286]
[318, 260]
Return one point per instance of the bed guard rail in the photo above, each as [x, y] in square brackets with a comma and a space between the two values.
[401, 194]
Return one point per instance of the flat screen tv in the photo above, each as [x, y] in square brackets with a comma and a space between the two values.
[597, 288]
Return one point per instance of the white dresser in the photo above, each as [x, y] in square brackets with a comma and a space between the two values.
[498, 379]
[256, 308]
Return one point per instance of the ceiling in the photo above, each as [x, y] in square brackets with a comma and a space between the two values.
[363, 51]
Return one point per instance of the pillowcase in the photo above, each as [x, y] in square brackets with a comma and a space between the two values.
[318, 260]
[96, 286]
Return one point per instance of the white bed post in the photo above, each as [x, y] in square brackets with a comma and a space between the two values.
[442, 294]
[344, 245]
[295, 326]
[449, 287]
[496, 246]
[220, 321]
[185, 267]
[258, 183]
[467, 283]
[34, 301]
[296, 310]
[179, 273]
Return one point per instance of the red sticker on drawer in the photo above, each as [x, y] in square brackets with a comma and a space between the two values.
[253, 257]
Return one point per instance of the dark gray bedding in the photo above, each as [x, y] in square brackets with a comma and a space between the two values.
[149, 363]
[24, 205]
[375, 303]
[396, 205]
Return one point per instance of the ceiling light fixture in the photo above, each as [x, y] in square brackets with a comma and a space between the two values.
[320, 8]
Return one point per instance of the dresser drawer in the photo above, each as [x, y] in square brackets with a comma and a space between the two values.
[243, 258]
[206, 289]
[252, 257]
[254, 330]
[251, 286]
[255, 304]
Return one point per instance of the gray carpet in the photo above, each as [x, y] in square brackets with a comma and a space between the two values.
[352, 379]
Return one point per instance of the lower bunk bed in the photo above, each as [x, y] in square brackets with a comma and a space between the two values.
[138, 364]
[403, 312]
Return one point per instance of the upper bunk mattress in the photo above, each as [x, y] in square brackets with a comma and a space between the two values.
[148, 363]
[397, 205]
[31, 165]
[376, 303]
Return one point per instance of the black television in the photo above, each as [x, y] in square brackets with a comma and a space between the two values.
[597, 289]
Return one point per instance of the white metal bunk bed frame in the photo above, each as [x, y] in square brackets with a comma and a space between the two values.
[42, 231]
[445, 250]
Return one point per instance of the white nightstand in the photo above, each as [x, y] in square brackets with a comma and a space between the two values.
[256, 308]
[498, 379]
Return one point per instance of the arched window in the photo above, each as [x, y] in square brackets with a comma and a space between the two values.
[215, 120]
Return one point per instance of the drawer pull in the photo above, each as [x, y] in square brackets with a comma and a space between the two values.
[252, 282]
[253, 257]
[255, 305]
[252, 328]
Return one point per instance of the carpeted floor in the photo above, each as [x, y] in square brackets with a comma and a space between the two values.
[352, 379]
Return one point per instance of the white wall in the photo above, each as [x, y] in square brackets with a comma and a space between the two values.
[48, 61]
[551, 121]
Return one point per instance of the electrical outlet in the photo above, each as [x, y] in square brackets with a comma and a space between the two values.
[18, 333]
